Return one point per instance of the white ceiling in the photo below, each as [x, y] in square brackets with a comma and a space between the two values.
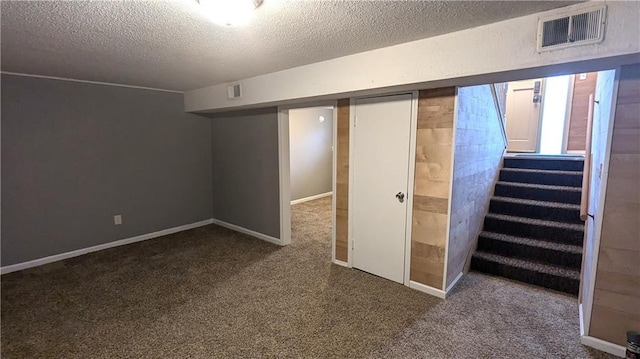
[172, 45]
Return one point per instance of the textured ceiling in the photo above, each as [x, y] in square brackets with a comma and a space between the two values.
[173, 45]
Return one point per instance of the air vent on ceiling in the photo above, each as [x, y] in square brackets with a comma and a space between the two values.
[234, 91]
[579, 27]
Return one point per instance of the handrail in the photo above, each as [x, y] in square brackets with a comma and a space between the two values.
[501, 113]
[586, 172]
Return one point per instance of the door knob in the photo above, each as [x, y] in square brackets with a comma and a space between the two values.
[400, 197]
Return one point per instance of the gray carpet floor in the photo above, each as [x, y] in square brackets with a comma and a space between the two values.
[214, 293]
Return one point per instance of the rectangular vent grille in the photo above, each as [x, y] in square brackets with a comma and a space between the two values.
[234, 91]
[571, 29]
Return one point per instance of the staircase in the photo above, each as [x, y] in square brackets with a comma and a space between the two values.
[533, 232]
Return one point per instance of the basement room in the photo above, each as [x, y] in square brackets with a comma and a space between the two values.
[320, 179]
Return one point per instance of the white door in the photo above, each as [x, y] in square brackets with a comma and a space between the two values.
[380, 181]
[524, 111]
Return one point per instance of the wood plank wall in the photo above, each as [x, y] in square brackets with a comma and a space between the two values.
[434, 142]
[579, 108]
[342, 181]
[479, 146]
[617, 288]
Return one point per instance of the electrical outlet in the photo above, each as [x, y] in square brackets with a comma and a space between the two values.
[117, 219]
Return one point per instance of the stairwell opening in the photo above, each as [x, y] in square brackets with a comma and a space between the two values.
[544, 220]
[548, 115]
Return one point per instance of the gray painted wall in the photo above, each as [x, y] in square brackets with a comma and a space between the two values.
[246, 183]
[76, 154]
[310, 143]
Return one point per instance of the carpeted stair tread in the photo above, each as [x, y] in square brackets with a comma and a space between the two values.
[533, 242]
[540, 186]
[545, 163]
[532, 266]
[532, 202]
[532, 232]
[538, 192]
[538, 156]
[555, 172]
[536, 222]
[541, 176]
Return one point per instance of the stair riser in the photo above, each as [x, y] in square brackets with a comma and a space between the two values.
[552, 234]
[541, 255]
[562, 284]
[538, 164]
[552, 179]
[538, 194]
[567, 215]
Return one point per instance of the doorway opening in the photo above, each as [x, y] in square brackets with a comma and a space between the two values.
[549, 116]
[307, 180]
[546, 212]
[311, 153]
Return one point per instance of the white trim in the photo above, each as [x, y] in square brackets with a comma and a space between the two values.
[427, 289]
[341, 263]
[311, 198]
[246, 231]
[581, 319]
[455, 281]
[121, 242]
[284, 176]
[411, 186]
[334, 180]
[567, 115]
[284, 169]
[325, 104]
[88, 82]
[543, 103]
[450, 200]
[597, 220]
[352, 146]
[611, 348]
[434, 291]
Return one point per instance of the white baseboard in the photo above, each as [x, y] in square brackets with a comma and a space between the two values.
[426, 289]
[249, 232]
[121, 242]
[341, 263]
[321, 195]
[613, 349]
[455, 281]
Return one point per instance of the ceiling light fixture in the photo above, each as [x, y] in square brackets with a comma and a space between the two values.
[230, 12]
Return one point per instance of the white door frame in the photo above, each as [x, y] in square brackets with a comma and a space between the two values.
[567, 115]
[284, 170]
[542, 104]
[411, 177]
